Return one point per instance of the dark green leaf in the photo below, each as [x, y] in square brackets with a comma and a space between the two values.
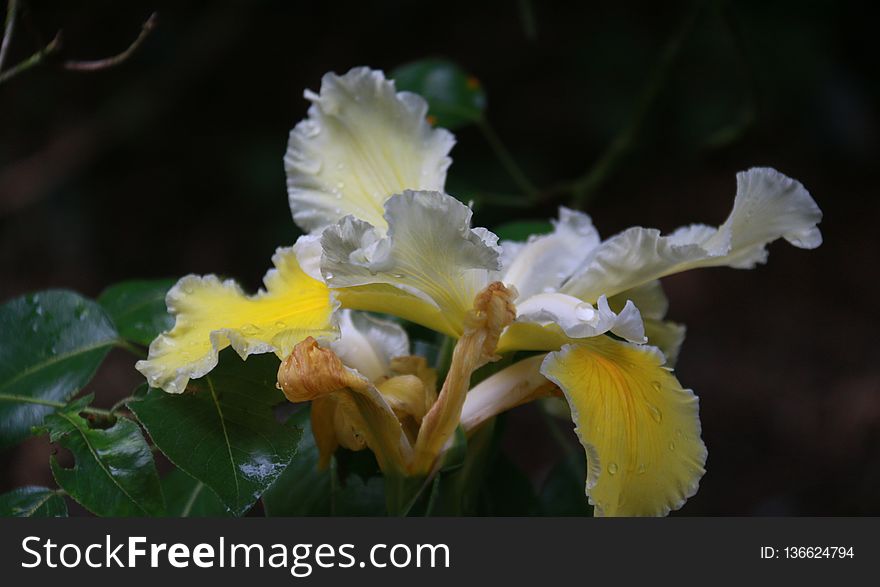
[114, 473]
[32, 502]
[521, 230]
[301, 490]
[138, 309]
[360, 498]
[222, 430]
[454, 97]
[186, 497]
[51, 343]
[563, 491]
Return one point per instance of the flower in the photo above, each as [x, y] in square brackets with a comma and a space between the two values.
[366, 175]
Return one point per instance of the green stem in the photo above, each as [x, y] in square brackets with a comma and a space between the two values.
[11, 13]
[586, 187]
[54, 404]
[32, 61]
[506, 159]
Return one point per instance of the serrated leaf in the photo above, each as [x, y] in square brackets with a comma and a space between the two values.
[114, 473]
[51, 344]
[521, 230]
[222, 431]
[32, 502]
[454, 97]
[186, 497]
[137, 308]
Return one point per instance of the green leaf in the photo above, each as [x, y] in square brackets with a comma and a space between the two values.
[301, 490]
[360, 498]
[138, 309]
[521, 230]
[563, 491]
[454, 97]
[222, 430]
[114, 473]
[51, 344]
[186, 497]
[32, 502]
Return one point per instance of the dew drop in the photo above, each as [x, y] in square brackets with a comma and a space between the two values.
[584, 312]
[671, 446]
[657, 386]
[655, 412]
[328, 276]
[613, 468]
[679, 433]
[549, 290]
[280, 324]
[642, 469]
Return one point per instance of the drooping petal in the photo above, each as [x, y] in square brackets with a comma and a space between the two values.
[768, 206]
[311, 372]
[211, 315]
[517, 384]
[640, 429]
[368, 344]
[491, 313]
[428, 268]
[543, 263]
[362, 142]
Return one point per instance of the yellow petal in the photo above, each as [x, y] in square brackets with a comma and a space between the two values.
[639, 427]
[212, 315]
[362, 143]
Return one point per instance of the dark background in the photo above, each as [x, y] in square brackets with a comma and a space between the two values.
[172, 163]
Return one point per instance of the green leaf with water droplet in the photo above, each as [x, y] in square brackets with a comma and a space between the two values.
[114, 473]
[51, 344]
[138, 309]
[32, 502]
[222, 429]
[454, 97]
[186, 497]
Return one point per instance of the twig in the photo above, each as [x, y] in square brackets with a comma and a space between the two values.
[584, 188]
[34, 60]
[506, 159]
[99, 64]
[11, 13]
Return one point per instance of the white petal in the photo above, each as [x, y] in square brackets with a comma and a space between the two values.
[368, 344]
[362, 142]
[768, 206]
[430, 252]
[546, 261]
[579, 319]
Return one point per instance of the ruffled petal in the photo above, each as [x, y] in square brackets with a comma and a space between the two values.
[768, 206]
[362, 142]
[651, 301]
[640, 429]
[579, 319]
[211, 315]
[543, 263]
[427, 269]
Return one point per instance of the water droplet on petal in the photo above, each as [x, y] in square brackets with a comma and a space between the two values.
[584, 312]
[671, 446]
[655, 412]
[642, 469]
[657, 386]
[280, 324]
[613, 468]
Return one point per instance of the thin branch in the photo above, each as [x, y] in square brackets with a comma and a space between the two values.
[100, 64]
[584, 188]
[34, 60]
[506, 159]
[11, 13]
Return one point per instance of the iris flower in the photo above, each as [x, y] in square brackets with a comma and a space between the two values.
[365, 177]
